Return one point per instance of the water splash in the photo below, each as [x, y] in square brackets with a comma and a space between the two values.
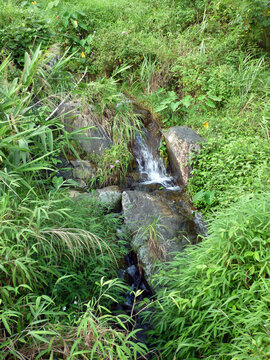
[150, 165]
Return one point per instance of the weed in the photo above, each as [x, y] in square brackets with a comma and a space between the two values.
[54, 252]
[113, 166]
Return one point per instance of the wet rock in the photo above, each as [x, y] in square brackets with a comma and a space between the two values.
[200, 223]
[144, 114]
[64, 168]
[121, 273]
[131, 270]
[181, 142]
[134, 176]
[146, 187]
[160, 227]
[93, 140]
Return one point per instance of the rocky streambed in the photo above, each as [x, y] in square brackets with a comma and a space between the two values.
[153, 203]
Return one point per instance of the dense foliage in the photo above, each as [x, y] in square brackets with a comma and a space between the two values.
[58, 257]
[200, 63]
[216, 302]
[229, 168]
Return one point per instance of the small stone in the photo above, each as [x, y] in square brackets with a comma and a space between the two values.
[110, 196]
[82, 170]
[131, 270]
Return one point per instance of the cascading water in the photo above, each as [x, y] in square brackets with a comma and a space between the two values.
[150, 166]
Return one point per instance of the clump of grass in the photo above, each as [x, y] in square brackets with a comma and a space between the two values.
[155, 239]
[113, 166]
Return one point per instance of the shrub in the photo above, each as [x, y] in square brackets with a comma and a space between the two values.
[21, 29]
[253, 17]
[230, 167]
[216, 302]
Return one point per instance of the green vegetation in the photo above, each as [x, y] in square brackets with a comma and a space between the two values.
[111, 170]
[200, 63]
[216, 302]
[56, 295]
[153, 235]
[230, 167]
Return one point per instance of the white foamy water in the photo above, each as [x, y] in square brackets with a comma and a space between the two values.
[151, 166]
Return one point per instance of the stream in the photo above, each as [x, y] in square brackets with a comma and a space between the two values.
[153, 178]
[150, 165]
[157, 213]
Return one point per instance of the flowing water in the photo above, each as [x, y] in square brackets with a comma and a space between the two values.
[151, 176]
[149, 163]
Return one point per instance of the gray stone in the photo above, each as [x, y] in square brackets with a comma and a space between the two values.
[146, 261]
[73, 194]
[181, 143]
[93, 139]
[82, 170]
[131, 270]
[81, 196]
[64, 168]
[173, 228]
[110, 196]
[201, 224]
[81, 184]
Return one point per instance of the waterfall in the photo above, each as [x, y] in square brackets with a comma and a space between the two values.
[150, 165]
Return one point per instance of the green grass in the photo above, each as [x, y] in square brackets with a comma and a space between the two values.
[215, 302]
[58, 258]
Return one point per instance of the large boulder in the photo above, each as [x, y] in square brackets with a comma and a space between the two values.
[181, 142]
[92, 137]
[160, 227]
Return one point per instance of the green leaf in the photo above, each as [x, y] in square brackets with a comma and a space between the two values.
[186, 101]
[256, 256]
[210, 103]
[4, 320]
[214, 97]
[36, 335]
[174, 106]
[199, 196]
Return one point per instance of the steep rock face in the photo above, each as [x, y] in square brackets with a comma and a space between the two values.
[181, 142]
[160, 227]
[93, 140]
